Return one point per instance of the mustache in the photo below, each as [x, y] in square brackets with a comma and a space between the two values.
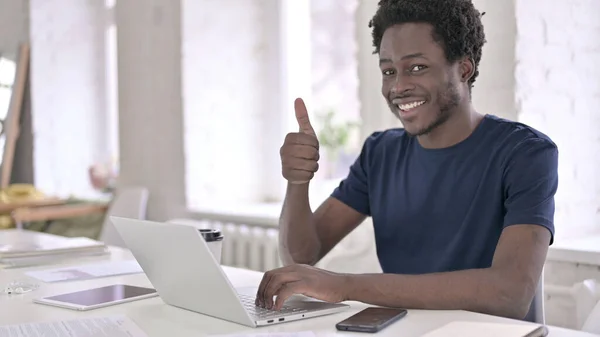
[406, 96]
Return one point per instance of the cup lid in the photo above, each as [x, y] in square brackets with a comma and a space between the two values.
[211, 235]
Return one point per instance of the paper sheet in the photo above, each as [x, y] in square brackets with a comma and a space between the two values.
[272, 334]
[111, 326]
[89, 271]
[478, 329]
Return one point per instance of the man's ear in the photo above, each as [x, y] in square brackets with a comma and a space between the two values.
[466, 68]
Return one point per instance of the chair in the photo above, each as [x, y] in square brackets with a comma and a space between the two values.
[592, 324]
[587, 297]
[127, 202]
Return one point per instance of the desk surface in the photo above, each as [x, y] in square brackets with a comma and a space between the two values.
[159, 319]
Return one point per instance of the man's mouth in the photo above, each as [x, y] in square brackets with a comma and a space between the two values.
[406, 107]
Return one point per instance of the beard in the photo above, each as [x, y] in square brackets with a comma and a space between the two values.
[448, 99]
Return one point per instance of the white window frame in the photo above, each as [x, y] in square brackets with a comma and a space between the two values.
[112, 83]
[293, 18]
[374, 111]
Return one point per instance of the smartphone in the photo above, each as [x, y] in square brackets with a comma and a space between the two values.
[98, 297]
[372, 319]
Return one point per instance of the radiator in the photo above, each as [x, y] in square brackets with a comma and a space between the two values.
[246, 246]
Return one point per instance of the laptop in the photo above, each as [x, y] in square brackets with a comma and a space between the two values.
[179, 264]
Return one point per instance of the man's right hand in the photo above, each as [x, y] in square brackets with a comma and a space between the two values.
[300, 150]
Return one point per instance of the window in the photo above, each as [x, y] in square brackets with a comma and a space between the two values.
[112, 123]
[239, 85]
[7, 78]
[334, 85]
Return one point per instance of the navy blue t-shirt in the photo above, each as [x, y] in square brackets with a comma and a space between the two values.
[439, 210]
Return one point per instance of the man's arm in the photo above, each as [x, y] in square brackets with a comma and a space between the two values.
[305, 237]
[504, 289]
[508, 286]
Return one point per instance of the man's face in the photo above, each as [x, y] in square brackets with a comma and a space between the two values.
[421, 87]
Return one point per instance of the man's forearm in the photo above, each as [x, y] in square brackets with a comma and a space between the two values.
[298, 239]
[479, 290]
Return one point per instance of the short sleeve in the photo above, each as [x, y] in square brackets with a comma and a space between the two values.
[530, 183]
[354, 189]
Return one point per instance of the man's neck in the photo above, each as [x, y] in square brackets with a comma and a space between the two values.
[457, 128]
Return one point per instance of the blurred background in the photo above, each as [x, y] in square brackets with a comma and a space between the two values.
[191, 100]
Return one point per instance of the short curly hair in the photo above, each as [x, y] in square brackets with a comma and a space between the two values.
[456, 25]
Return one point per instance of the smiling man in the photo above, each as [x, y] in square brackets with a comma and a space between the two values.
[462, 202]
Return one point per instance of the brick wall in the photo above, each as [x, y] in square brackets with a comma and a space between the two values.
[558, 91]
[69, 93]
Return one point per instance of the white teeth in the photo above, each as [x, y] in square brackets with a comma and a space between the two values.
[409, 106]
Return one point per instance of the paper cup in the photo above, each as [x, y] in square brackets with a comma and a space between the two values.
[214, 240]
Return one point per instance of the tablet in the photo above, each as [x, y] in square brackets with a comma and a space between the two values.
[98, 297]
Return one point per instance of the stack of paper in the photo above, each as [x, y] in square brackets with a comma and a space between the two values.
[110, 326]
[24, 247]
[478, 329]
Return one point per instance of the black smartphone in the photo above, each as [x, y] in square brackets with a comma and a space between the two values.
[372, 319]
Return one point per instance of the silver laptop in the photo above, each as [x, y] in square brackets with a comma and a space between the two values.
[179, 264]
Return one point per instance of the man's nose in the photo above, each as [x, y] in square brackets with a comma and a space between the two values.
[402, 85]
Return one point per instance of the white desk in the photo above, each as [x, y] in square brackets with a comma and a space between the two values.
[159, 319]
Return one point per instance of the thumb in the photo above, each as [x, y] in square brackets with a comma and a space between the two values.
[302, 117]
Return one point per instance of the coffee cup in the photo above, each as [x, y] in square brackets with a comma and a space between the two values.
[214, 240]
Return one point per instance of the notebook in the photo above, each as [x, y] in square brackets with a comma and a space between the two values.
[23, 243]
[478, 329]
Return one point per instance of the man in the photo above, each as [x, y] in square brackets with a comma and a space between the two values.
[462, 203]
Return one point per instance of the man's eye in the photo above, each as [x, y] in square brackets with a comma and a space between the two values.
[417, 68]
[388, 72]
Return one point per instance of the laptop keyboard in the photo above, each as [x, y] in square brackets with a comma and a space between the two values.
[258, 312]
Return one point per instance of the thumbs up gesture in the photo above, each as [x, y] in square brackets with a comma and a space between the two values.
[300, 150]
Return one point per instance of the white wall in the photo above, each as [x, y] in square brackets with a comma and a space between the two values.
[14, 26]
[67, 84]
[150, 103]
[494, 90]
[68, 93]
[558, 92]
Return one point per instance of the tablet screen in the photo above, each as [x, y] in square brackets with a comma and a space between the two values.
[107, 294]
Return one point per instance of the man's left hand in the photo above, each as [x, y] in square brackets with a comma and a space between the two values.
[300, 279]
